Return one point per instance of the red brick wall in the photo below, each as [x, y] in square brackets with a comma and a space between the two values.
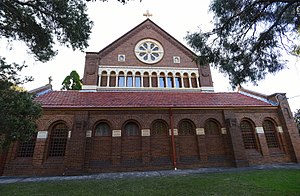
[102, 154]
[125, 46]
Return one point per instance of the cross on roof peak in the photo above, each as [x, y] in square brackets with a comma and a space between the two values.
[147, 14]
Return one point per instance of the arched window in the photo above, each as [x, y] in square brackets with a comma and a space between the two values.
[154, 81]
[159, 128]
[103, 78]
[186, 128]
[58, 140]
[112, 79]
[270, 134]
[178, 81]
[170, 83]
[162, 80]
[102, 129]
[26, 148]
[211, 128]
[146, 81]
[194, 80]
[248, 134]
[138, 79]
[129, 82]
[131, 129]
[186, 83]
[121, 79]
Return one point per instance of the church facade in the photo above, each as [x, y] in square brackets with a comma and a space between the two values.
[147, 105]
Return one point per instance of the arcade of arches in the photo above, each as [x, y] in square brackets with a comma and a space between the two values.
[132, 146]
[145, 79]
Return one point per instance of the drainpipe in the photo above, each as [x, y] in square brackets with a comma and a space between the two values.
[173, 139]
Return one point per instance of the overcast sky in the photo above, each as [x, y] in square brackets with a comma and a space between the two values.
[112, 20]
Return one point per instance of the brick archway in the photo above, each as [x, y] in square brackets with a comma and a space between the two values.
[101, 145]
[131, 148]
[160, 143]
[187, 139]
[215, 141]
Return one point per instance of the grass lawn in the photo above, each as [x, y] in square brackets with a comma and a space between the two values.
[267, 182]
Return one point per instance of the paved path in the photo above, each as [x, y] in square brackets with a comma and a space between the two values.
[101, 176]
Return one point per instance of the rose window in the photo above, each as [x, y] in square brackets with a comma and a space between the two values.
[149, 51]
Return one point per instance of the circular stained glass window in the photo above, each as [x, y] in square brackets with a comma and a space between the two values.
[149, 51]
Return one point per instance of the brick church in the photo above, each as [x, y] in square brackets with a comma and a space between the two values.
[147, 105]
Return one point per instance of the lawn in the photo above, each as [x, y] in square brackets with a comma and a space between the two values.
[267, 182]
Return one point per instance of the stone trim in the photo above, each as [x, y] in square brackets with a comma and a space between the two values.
[223, 131]
[42, 135]
[69, 134]
[279, 129]
[145, 132]
[259, 130]
[116, 133]
[200, 131]
[175, 131]
[88, 133]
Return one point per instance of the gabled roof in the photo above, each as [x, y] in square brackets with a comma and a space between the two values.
[42, 90]
[77, 99]
[138, 28]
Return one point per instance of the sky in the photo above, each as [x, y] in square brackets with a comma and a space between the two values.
[113, 19]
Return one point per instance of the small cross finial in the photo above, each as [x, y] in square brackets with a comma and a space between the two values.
[147, 14]
[50, 79]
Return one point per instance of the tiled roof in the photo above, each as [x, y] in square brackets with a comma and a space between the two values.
[77, 99]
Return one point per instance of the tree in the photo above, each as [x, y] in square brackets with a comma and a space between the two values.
[40, 23]
[72, 82]
[297, 119]
[19, 111]
[248, 37]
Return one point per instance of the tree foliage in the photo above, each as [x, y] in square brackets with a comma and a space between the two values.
[248, 37]
[40, 23]
[18, 114]
[121, 1]
[72, 82]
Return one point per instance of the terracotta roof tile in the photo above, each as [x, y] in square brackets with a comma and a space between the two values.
[77, 99]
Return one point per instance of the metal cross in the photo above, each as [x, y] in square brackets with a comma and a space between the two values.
[147, 14]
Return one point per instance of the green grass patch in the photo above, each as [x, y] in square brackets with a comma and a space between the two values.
[267, 182]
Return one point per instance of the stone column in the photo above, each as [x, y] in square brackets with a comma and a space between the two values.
[197, 80]
[133, 81]
[190, 81]
[158, 81]
[125, 80]
[166, 82]
[99, 81]
[117, 80]
[182, 82]
[142, 81]
[107, 80]
[174, 82]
